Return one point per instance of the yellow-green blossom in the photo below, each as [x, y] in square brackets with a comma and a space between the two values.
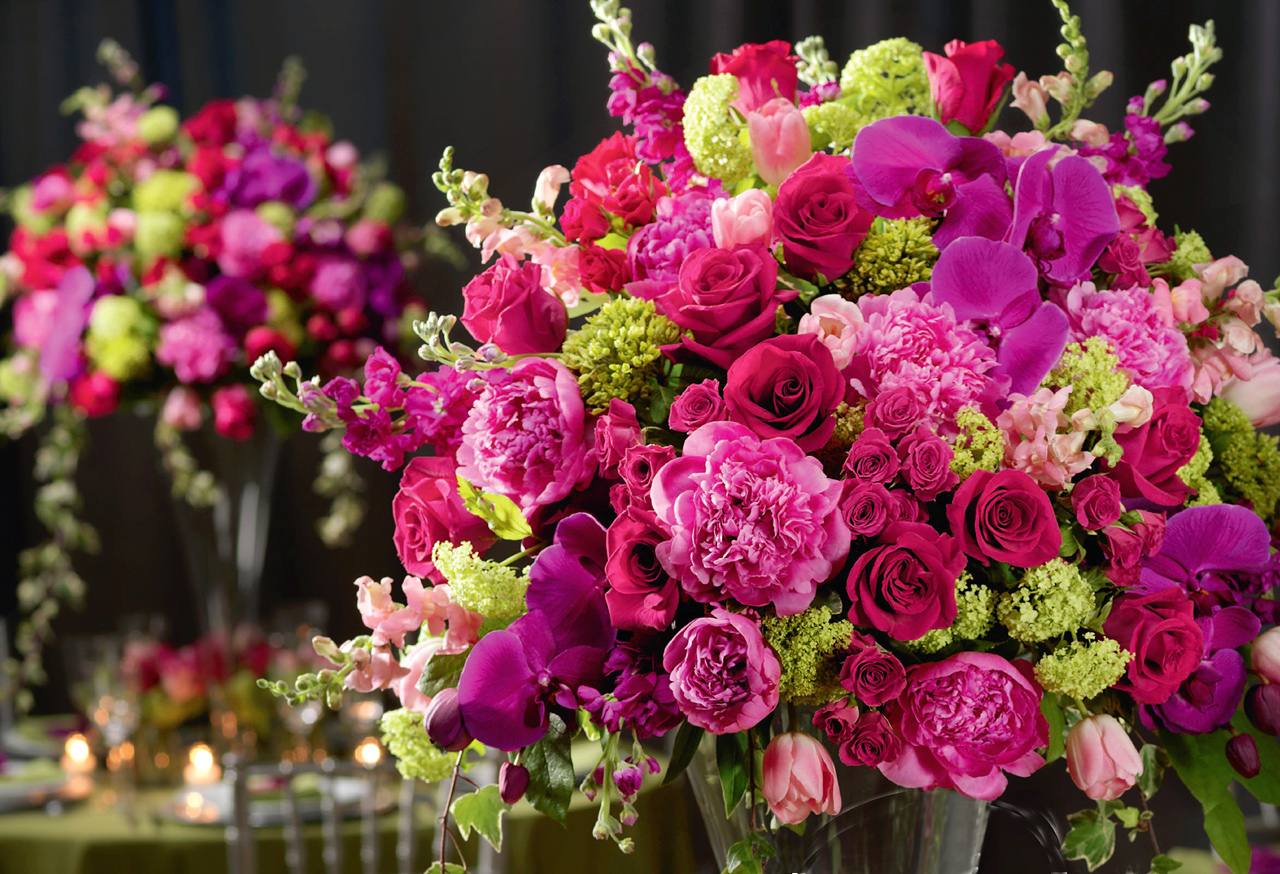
[1193, 471]
[711, 132]
[832, 125]
[848, 427]
[1250, 461]
[1049, 600]
[20, 208]
[164, 191]
[158, 234]
[481, 586]
[1206, 493]
[1083, 668]
[118, 340]
[158, 125]
[808, 646]
[886, 79]
[975, 614]
[618, 352]
[1092, 369]
[893, 255]
[980, 445]
[416, 757]
[1191, 249]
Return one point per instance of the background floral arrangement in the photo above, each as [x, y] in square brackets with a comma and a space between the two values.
[159, 262]
[834, 397]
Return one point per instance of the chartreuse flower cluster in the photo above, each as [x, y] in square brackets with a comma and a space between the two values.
[710, 132]
[1249, 460]
[895, 254]
[1092, 369]
[416, 757]
[485, 587]
[1191, 250]
[1048, 601]
[618, 352]
[1083, 668]
[809, 647]
[886, 79]
[120, 338]
[980, 445]
[975, 615]
[1193, 474]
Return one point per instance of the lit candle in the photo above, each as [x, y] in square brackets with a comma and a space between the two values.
[77, 758]
[368, 753]
[202, 769]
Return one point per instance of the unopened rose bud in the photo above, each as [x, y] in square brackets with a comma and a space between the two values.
[1262, 706]
[1266, 655]
[443, 722]
[513, 780]
[1242, 753]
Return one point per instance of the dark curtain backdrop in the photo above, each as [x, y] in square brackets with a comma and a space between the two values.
[516, 85]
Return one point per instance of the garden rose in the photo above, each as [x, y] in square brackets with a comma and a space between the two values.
[616, 432]
[1161, 631]
[926, 464]
[965, 721]
[641, 595]
[699, 404]
[639, 465]
[602, 270]
[428, 510]
[872, 458]
[1154, 452]
[1101, 758]
[866, 508]
[836, 720]
[764, 71]
[786, 386]
[1004, 517]
[906, 585]
[873, 675]
[818, 220]
[967, 84]
[507, 305]
[723, 674]
[871, 741]
[1096, 502]
[799, 778]
[95, 395]
[895, 412]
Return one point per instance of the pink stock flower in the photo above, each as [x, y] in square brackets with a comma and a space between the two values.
[245, 237]
[799, 778]
[779, 139]
[33, 317]
[745, 220]
[836, 322]
[1101, 758]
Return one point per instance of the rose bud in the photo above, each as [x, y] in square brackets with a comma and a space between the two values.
[1101, 758]
[1242, 753]
[799, 778]
[1266, 655]
[513, 779]
[443, 722]
[1262, 706]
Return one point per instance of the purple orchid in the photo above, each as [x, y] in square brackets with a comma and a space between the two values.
[1212, 553]
[263, 176]
[1063, 217]
[514, 678]
[996, 287]
[60, 358]
[911, 166]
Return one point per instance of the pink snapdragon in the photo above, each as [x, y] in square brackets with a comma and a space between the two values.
[1033, 444]
[373, 669]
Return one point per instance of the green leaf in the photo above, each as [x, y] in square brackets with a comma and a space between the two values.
[1070, 546]
[958, 128]
[660, 401]
[1154, 761]
[1266, 786]
[612, 241]
[688, 736]
[1129, 816]
[1163, 865]
[731, 762]
[441, 671]
[481, 811]
[747, 855]
[806, 291]
[502, 514]
[1051, 707]
[1092, 838]
[449, 868]
[550, 767]
[588, 302]
[1201, 762]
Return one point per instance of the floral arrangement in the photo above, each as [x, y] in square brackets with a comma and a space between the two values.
[823, 392]
[160, 261]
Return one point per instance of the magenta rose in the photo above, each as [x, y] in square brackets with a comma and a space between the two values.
[926, 464]
[1096, 502]
[699, 404]
[873, 675]
[764, 71]
[966, 721]
[428, 510]
[966, 85]
[1125, 547]
[906, 585]
[1004, 517]
[641, 596]
[602, 270]
[731, 535]
[786, 386]
[616, 432]
[508, 305]
[726, 299]
[1160, 630]
[1154, 452]
[866, 507]
[895, 412]
[818, 219]
[723, 675]
[836, 720]
[872, 458]
[904, 508]
[871, 741]
[234, 412]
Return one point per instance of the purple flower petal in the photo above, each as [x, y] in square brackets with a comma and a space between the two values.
[982, 209]
[889, 154]
[986, 280]
[1218, 538]
[498, 694]
[567, 585]
[60, 359]
[1229, 628]
[1030, 350]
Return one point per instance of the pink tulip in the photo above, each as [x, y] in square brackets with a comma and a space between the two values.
[799, 778]
[743, 220]
[1101, 758]
[1259, 395]
[1266, 655]
[779, 139]
[182, 409]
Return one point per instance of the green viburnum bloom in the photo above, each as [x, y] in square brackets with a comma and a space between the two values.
[1141, 199]
[1083, 668]
[980, 445]
[1092, 369]
[711, 131]
[1049, 600]
[119, 337]
[1191, 249]
[809, 647]
[158, 125]
[832, 125]
[895, 254]
[886, 79]
[483, 587]
[618, 352]
[416, 757]
[164, 191]
[1249, 460]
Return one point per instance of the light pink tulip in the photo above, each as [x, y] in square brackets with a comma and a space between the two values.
[799, 778]
[743, 220]
[836, 322]
[1259, 395]
[1101, 758]
[1266, 655]
[779, 139]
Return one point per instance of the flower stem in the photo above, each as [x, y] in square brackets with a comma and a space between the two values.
[448, 803]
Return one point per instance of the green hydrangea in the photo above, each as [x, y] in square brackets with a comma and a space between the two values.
[895, 254]
[618, 352]
[483, 587]
[20, 208]
[975, 614]
[1249, 460]
[848, 427]
[1191, 249]
[1194, 470]
[386, 203]
[832, 125]
[158, 125]
[1206, 493]
[712, 132]
[417, 758]
[1092, 369]
[164, 191]
[118, 340]
[808, 646]
[886, 79]
[980, 445]
[1049, 600]
[278, 215]
[1083, 668]
[158, 234]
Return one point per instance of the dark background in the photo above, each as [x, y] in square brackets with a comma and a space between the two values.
[516, 85]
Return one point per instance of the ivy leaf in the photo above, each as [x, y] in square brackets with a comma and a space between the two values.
[1154, 761]
[1163, 865]
[1201, 762]
[688, 736]
[1092, 838]
[1051, 707]
[449, 868]
[440, 672]
[1266, 786]
[747, 855]
[550, 765]
[504, 517]
[481, 811]
[731, 762]
[660, 400]
[612, 241]
[1129, 816]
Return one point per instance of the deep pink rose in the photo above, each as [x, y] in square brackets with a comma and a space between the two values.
[836, 720]
[508, 305]
[906, 585]
[428, 510]
[616, 432]
[1096, 502]
[786, 386]
[727, 299]
[94, 395]
[1004, 517]
[234, 412]
[871, 741]
[967, 83]
[764, 72]
[904, 508]
[966, 721]
[1160, 630]
[1154, 452]
[699, 404]
[872, 458]
[641, 596]
[603, 270]
[926, 464]
[640, 464]
[1126, 547]
[818, 220]
[873, 675]
[723, 675]
[583, 220]
[866, 508]
[895, 412]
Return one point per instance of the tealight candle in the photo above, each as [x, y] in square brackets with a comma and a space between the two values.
[368, 753]
[202, 768]
[77, 758]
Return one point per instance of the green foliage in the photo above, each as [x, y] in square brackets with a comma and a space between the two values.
[732, 763]
[481, 811]
[1201, 762]
[1162, 864]
[1051, 707]
[688, 736]
[1154, 761]
[550, 766]
[442, 670]
[504, 517]
[748, 855]
[1092, 837]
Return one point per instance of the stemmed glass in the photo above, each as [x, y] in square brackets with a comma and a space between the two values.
[105, 686]
[292, 653]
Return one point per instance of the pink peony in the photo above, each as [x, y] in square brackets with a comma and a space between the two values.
[799, 778]
[966, 721]
[750, 519]
[197, 347]
[723, 674]
[527, 436]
